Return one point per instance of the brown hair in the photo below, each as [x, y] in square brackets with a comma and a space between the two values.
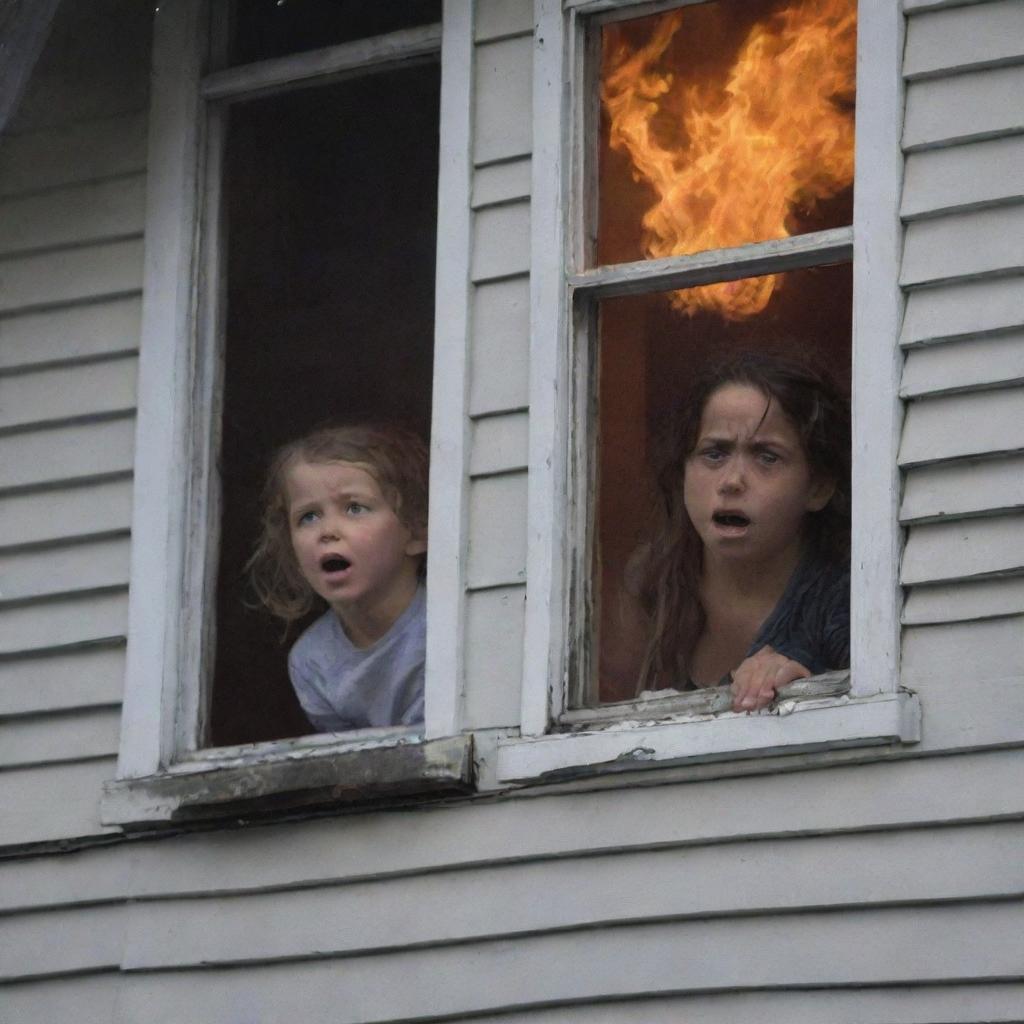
[670, 575]
[397, 459]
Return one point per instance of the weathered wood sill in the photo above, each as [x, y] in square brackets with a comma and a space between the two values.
[316, 777]
[655, 705]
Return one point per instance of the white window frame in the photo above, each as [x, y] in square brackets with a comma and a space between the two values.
[875, 711]
[161, 773]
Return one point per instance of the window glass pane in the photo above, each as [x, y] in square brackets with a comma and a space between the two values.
[724, 123]
[331, 208]
[273, 28]
[648, 356]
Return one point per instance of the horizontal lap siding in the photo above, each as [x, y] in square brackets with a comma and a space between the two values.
[95, 1000]
[972, 943]
[499, 361]
[113, 146]
[72, 215]
[537, 901]
[606, 963]
[969, 672]
[62, 681]
[53, 802]
[963, 333]
[880, 798]
[105, 328]
[72, 190]
[612, 889]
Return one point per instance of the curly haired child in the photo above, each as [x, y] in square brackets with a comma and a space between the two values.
[345, 521]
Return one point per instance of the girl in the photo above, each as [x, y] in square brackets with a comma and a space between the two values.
[746, 580]
[345, 521]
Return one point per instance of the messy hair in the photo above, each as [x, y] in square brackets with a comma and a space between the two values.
[669, 576]
[396, 458]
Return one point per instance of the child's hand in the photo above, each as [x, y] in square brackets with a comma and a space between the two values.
[758, 677]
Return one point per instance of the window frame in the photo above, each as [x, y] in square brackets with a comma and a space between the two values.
[876, 710]
[162, 771]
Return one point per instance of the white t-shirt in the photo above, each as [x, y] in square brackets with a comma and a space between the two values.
[343, 687]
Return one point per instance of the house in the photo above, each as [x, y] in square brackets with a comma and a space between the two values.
[854, 858]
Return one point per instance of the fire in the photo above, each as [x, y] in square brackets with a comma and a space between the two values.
[772, 137]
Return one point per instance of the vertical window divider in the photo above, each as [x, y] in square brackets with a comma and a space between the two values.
[450, 430]
[168, 310]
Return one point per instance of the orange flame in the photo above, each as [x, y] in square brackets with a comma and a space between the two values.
[774, 138]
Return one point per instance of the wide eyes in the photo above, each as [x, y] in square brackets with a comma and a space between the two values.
[310, 516]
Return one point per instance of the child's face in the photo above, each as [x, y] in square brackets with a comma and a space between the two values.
[748, 485]
[350, 546]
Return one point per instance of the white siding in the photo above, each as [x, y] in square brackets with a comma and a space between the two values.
[501, 241]
[958, 38]
[494, 656]
[964, 107]
[963, 488]
[980, 173]
[77, 332]
[463, 902]
[84, 510]
[499, 369]
[95, 1000]
[976, 363]
[502, 128]
[62, 681]
[497, 535]
[74, 214]
[71, 207]
[94, 150]
[964, 339]
[499, 361]
[496, 900]
[63, 392]
[970, 672]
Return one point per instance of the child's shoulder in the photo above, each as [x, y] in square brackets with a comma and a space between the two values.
[322, 634]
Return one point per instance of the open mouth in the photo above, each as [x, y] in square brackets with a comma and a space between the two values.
[335, 563]
[731, 519]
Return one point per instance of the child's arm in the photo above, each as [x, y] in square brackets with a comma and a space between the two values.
[757, 678]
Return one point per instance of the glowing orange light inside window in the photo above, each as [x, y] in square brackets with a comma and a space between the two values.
[750, 143]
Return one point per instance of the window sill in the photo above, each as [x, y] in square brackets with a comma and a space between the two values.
[787, 728]
[314, 772]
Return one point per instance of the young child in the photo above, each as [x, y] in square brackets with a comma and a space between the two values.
[345, 520]
[746, 581]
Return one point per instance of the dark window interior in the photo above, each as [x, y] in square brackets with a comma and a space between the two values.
[274, 28]
[330, 221]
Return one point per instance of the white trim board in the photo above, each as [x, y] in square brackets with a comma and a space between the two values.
[825, 725]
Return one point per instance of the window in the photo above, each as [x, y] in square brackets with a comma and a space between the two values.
[290, 280]
[608, 351]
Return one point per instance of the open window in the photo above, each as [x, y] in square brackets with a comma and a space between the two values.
[706, 154]
[292, 227]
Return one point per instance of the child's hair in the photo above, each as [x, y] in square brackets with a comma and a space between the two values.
[669, 578]
[396, 458]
